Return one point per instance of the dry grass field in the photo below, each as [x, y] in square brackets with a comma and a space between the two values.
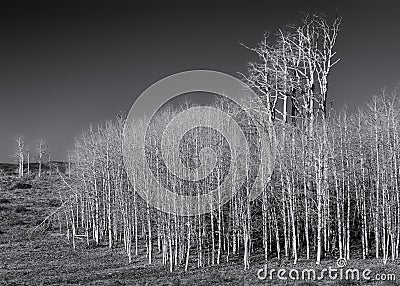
[45, 257]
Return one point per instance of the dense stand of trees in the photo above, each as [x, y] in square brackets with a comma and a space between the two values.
[358, 210]
[334, 191]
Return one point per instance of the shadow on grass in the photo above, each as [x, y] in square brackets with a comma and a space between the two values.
[21, 209]
[4, 201]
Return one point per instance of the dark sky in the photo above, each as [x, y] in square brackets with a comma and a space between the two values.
[64, 65]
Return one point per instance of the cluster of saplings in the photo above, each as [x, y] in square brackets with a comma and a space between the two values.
[334, 190]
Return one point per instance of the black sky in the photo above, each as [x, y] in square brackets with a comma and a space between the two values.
[64, 65]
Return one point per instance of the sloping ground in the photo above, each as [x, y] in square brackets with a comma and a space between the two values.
[8, 169]
[46, 258]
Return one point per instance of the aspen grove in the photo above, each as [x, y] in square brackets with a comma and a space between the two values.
[334, 191]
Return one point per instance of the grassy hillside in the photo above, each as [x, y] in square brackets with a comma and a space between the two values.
[12, 169]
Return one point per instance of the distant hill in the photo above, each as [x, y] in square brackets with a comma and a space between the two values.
[8, 168]
[12, 169]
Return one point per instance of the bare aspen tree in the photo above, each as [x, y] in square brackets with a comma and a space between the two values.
[28, 160]
[20, 154]
[49, 162]
[40, 151]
